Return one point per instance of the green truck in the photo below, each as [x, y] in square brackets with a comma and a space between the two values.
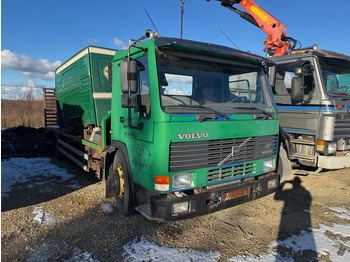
[176, 128]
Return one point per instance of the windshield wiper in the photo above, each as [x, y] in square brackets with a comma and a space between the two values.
[265, 113]
[203, 107]
[338, 93]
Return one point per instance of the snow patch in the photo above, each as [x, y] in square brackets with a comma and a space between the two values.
[343, 212]
[80, 256]
[104, 207]
[43, 218]
[52, 252]
[331, 241]
[34, 172]
[144, 250]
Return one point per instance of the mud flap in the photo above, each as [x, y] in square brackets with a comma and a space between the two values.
[109, 192]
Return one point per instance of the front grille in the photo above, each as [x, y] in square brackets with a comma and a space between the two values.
[228, 173]
[219, 150]
[342, 126]
[204, 154]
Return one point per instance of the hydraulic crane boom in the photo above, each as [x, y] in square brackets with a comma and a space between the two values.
[277, 42]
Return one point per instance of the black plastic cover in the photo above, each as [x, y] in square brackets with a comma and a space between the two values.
[177, 43]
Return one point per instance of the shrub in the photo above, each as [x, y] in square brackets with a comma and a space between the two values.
[29, 113]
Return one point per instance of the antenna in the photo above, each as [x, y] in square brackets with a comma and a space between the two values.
[182, 14]
[230, 40]
[151, 21]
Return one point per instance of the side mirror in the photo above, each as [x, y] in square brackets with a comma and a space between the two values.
[128, 77]
[134, 100]
[298, 88]
[298, 71]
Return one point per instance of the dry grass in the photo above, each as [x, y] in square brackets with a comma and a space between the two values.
[22, 113]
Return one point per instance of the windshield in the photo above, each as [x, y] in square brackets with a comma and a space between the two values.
[192, 83]
[336, 76]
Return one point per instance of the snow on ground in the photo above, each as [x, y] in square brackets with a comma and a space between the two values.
[42, 218]
[33, 172]
[51, 252]
[342, 212]
[144, 250]
[332, 241]
[104, 207]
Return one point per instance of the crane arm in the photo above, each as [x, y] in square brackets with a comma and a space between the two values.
[276, 31]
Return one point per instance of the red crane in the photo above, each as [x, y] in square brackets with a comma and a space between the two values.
[277, 43]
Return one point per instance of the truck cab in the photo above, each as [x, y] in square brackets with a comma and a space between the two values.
[312, 92]
[203, 132]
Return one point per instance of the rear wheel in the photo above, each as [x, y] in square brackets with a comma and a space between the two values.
[121, 185]
[284, 168]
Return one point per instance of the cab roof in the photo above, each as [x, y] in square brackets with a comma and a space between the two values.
[190, 45]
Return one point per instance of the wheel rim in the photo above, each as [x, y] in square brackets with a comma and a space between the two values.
[121, 181]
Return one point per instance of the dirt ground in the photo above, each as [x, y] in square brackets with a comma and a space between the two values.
[81, 223]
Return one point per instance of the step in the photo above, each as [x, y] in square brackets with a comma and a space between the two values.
[145, 209]
[304, 142]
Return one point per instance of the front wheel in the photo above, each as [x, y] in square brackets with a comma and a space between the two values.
[284, 167]
[121, 183]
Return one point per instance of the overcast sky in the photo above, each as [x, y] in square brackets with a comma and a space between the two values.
[38, 35]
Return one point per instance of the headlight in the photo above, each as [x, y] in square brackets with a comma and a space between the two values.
[269, 165]
[332, 148]
[181, 207]
[182, 180]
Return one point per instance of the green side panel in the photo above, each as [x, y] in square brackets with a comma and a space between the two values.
[101, 92]
[82, 91]
[74, 93]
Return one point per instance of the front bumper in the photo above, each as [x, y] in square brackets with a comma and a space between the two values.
[334, 162]
[216, 198]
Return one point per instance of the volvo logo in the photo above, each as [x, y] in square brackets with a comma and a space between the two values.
[235, 150]
[192, 136]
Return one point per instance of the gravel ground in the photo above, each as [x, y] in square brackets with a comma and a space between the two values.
[70, 224]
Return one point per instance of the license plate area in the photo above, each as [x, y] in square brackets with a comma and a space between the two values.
[235, 193]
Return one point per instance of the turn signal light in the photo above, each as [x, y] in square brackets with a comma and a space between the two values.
[339, 106]
[321, 145]
[161, 183]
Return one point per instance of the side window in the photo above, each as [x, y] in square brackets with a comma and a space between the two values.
[176, 89]
[288, 80]
[283, 80]
[332, 82]
[243, 87]
[178, 85]
[145, 99]
[308, 81]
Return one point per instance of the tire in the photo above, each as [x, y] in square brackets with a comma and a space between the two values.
[121, 184]
[284, 167]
